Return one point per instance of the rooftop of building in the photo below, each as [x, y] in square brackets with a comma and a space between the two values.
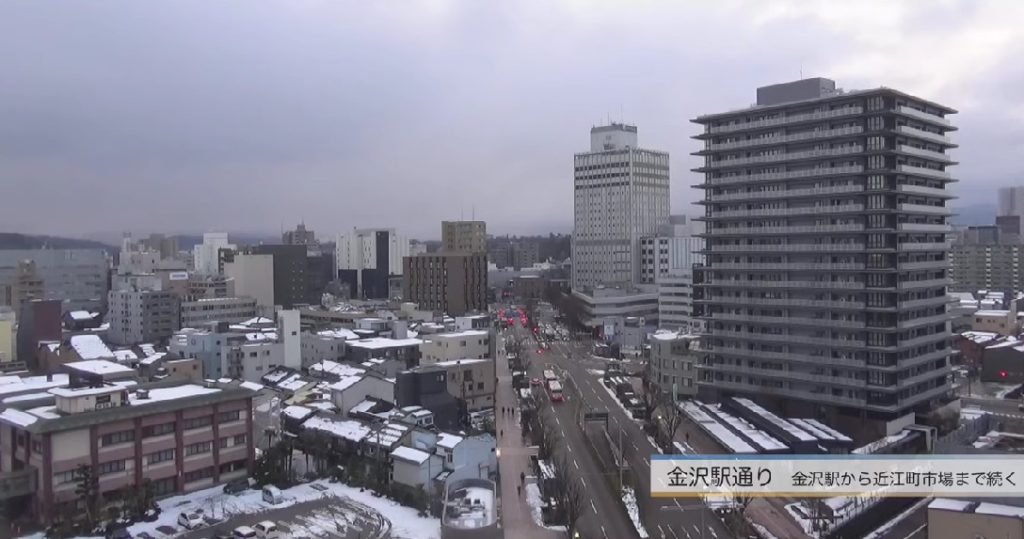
[467, 361]
[339, 333]
[376, 343]
[838, 93]
[459, 334]
[470, 506]
[90, 347]
[99, 366]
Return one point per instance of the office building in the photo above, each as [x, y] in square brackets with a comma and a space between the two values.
[464, 236]
[210, 286]
[167, 246]
[824, 289]
[180, 438]
[204, 311]
[607, 308]
[75, 277]
[8, 344]
[621, 195]
[25, 286]
[366, 258]
[290, 273]
[673, 363]
[140, 314]
[299, 236]
[253, 276]
[672, 251]
[515, 254]
[986, 258]
[39, 320]
[440, 347]
[1010, 212]
[451, 283]
[206, 257]
[675, 303]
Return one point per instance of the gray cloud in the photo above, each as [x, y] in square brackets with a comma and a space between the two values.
[189, 116]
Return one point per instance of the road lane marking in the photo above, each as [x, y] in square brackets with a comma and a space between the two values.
[594, 507]
[583, 480]
[673, 532]
[604, 532]
[577, 467]
[712, 530]
[696, 530]
[662, 531]
[557, 421]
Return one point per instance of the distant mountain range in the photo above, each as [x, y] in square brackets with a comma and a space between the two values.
[974, 214]
[12, 240]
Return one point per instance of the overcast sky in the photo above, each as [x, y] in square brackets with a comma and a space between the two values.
[245, 116]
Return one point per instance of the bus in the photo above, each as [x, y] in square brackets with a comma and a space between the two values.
[549, 375]
[555, 391]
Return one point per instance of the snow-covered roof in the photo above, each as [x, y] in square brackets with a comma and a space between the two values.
[99, 366]
[979, 337]
[363, 407]
[460, 334]
[827, 429]
[376, 343]
[32, 383]
[346, 382]
[90, 347]
[27, 397]
[261, 336]
[294, 383]
[125, 355]
[448, 441]
[251, 385]
[1001, 313]
[779, 422]
[326, 406]
[454, 362]
[183, 391]
[390, 433]
[153, 358]
[1008, 341]
[995, 509]
[760, 438]
[348, 429]
[17, 417]
[948, 504]
[334, 368]
[881, 443]
[297, 412]
[717, 430]
[255, 321]
[147, 349]
[83, 391]
[338, 333]
[44, 412]
[412, 455]
[277, 375]
[82, 315]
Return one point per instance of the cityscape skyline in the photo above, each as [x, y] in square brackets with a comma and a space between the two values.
[285, 128]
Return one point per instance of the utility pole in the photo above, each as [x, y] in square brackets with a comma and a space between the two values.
[621, 459]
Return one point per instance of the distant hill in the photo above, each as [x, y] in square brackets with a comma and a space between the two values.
[12, 240]
[974, 214]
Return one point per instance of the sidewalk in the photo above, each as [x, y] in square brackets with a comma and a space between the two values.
[516, 520]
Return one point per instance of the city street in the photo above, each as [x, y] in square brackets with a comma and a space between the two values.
[669, 518]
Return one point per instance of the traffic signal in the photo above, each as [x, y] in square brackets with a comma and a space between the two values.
[1002, 374]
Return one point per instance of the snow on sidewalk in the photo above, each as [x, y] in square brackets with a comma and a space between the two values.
[534, 500]
[629, 499]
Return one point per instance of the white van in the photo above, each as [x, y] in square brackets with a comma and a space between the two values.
[272, 495]
[267, 530]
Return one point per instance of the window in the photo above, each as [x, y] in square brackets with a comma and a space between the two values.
[240, 439]
[229, 467]
[198, 448]
[160, 456]
[157, 430]
[110, 467]
[199, 474]
[228, 417]
[198, 422]
[63, 478]
[119, 437]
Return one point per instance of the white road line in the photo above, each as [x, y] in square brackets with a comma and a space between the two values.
[695, 529]
[604, 532]
[583, 481]
[684, 531]
[673, 532]
[712, 530]
[662, 531]
[913, 533]
[557, 421]
[594, 507]
[577, 467]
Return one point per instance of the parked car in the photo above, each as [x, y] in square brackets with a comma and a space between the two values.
[237, 485]
[535, 382]
[267, 530]
[244, 532]
[191, 520]
[272, 495]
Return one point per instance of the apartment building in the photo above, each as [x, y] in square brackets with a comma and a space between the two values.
[253, 276]
[673, 363]
[675, 302]
[453, 283]
[826, 270]
[140, 315]
[367, 258]
[459, 345]
[621, 194]
[986, 266]
[210, 286]
[181, 437]
[673, 250]
[201, 312]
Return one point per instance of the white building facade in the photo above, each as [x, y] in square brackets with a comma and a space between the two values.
[672, 251]
[205, 255]
[621, 195]
[357, 250]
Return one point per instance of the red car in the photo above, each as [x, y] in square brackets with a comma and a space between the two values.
[535, 382]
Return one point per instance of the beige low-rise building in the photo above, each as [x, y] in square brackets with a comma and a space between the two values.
[458, 345]
[472, 381]
[673, 362]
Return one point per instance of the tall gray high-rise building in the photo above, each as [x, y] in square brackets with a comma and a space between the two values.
[621, 194]
[824, 290]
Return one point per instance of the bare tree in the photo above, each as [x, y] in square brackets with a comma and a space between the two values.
[545, 435]
[736, 520]
[570, 494]
[671, 417]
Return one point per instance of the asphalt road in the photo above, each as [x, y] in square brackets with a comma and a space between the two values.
[603, 515]
[664, 518]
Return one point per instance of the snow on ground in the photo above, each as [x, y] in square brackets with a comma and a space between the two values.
[596, 372]
[1004, 390]
[884, 529]
[804, 523]
[629, 499]
[534, 500]
[405, 521]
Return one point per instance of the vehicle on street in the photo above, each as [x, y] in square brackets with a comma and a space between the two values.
[535, 382]
[191, 520]
[244, 532]
[272, 495]
[555, 391]
[267, 530]
[549, 375]
[237, 485]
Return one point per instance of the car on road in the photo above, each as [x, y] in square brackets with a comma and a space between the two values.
[237, 485]
[191, 520]
[267, 530]
[244, 532]
[535, 382]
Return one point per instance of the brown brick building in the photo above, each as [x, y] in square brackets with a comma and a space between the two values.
[451, 282]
